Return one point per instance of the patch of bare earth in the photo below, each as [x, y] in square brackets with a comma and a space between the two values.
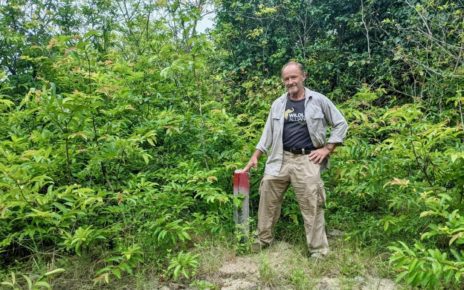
[239, 273]
[283, 267]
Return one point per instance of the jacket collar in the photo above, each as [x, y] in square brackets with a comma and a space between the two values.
[307, 95]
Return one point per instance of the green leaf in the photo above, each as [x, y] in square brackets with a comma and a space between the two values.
[55, 271]
[8, 284]
[455, 237]
[42, 284]
[116, 272]
[28, 280]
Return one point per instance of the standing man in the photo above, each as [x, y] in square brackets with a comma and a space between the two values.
[294, 138]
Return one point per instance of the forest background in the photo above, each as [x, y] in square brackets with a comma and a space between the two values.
[121, 126]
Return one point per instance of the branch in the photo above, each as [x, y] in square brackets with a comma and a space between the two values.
[367, 30]
[421, 16]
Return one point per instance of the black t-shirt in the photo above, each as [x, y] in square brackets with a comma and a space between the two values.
[296, 135]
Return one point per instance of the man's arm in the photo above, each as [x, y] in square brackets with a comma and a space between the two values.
[339, 128]
[336, 120]
[263, 145]
[253, 161]
[265, 141]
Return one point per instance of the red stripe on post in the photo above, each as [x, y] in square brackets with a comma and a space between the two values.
[241, 183]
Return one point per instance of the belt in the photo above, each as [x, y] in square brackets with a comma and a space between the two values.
[303, 151]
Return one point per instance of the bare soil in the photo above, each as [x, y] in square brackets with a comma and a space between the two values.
[246, 273]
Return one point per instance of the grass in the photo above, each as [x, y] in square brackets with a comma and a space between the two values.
[299, 280]
[267, 274]
[212, 256]
[283, 265]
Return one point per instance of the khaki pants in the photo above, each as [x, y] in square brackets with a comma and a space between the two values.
[305, 177]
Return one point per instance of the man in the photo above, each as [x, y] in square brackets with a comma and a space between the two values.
[294, 138]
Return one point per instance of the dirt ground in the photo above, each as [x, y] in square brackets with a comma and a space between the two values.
[280, 267]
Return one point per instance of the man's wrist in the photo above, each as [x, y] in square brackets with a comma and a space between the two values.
[330, 147]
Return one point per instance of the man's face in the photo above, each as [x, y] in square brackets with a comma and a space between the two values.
[293, 79]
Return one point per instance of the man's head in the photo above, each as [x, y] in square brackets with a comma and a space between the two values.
[293, 77]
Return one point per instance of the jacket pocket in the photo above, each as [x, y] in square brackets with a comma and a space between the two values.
[318, 128]
[317, 122]
[276, 120]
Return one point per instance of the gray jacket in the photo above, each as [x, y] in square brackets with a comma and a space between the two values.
[319, 111]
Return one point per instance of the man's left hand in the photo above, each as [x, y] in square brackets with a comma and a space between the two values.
[317, 156]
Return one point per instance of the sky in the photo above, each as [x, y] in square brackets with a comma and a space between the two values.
[207, 22]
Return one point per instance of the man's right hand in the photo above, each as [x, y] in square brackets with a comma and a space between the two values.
[252, 163]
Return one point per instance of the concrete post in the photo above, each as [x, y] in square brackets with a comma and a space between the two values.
[241, 215]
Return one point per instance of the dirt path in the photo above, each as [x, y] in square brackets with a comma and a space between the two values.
[284, 267]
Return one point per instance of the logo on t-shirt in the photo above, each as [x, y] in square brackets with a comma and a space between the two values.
[291, 116]
[288, 111]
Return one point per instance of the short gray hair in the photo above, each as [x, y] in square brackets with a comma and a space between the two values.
[298, 64]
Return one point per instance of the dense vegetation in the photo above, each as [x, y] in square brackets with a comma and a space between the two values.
[121, 125]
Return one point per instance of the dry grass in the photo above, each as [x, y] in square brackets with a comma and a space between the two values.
[288, 266]
[282, 266]
[80, 274]
[212, 257]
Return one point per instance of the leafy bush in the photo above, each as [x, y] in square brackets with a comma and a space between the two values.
[120, 130]
[116, 155]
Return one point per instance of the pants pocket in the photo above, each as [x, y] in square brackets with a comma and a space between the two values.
[321, 198]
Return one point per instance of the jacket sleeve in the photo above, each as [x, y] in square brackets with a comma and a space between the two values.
[336, 120]
[265, 142]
